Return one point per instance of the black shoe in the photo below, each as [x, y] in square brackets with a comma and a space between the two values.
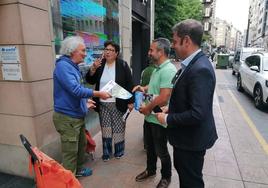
[105, 158]
[119, 156]
[164, 183]
[144, 175]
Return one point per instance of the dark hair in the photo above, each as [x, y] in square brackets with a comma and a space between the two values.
[191, 28]
[113, 44]
[163, 44]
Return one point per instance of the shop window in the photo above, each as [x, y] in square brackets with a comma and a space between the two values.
[94, 20]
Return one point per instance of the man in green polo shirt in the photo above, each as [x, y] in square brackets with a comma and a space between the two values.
[160, 87]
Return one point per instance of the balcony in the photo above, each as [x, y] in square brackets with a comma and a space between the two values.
[207, 12]
[207, 1]
[207, 26]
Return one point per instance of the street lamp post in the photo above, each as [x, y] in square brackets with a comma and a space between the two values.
[247, 33]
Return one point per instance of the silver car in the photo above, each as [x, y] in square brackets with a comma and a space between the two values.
[253, 78]
[240, 57]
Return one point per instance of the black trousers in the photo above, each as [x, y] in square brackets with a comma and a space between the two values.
[189, 165]
[144, 140]
[156, 140]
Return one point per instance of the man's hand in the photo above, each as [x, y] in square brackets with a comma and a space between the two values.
[102, 94]
[138, 88]
[164, 109]
[91, 104]
[161, 118]
[130, 106]
[145, 110]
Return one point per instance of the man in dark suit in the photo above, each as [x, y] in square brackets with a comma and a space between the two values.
[190, 122]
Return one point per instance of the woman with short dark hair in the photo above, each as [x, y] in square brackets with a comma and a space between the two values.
[110, 67]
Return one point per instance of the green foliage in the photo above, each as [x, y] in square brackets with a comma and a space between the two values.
[165, 17]
[170, 12]
[190, 9]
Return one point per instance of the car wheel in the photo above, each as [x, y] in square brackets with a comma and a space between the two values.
[233, 72]
[239, 83]
[258, 97]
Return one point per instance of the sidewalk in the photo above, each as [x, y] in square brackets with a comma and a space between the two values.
[226, 164]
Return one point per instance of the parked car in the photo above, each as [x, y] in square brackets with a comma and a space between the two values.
[241, 55]
[253, 78]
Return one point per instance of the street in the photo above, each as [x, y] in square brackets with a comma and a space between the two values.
[227, 92]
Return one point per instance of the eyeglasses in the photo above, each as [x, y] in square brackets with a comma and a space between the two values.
[109, 50]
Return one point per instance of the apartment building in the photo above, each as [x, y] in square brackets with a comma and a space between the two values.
[209, 19]
[223, 33]
[257, 34]
[227, 36]
[236, 39]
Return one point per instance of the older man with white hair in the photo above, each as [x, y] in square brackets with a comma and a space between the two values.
[71, 104]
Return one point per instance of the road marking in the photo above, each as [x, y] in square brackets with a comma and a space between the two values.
[250, 124]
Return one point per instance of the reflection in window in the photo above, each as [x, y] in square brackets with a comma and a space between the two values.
[94, 20]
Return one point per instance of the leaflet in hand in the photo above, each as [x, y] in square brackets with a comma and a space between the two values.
[116, 90]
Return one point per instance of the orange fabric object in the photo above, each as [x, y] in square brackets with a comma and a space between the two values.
[91, 144]
[50, 174]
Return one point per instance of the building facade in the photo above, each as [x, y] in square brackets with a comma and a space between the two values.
[257, 34]
[239, 40]
[236, 39]
[227, 36]
[223, 33]
[209, 19]
[141, 36]
[30, 36]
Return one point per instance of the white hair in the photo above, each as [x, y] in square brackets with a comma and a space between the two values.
[69, 45]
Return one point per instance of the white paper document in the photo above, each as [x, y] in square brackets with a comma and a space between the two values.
[116, 90]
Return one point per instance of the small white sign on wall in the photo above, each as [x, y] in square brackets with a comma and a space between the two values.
[9, 54]
[10, 63]
[11, 72]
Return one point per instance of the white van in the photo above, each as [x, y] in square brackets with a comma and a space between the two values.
[241, 55]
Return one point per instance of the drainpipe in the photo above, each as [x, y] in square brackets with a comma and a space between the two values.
[152, 22]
